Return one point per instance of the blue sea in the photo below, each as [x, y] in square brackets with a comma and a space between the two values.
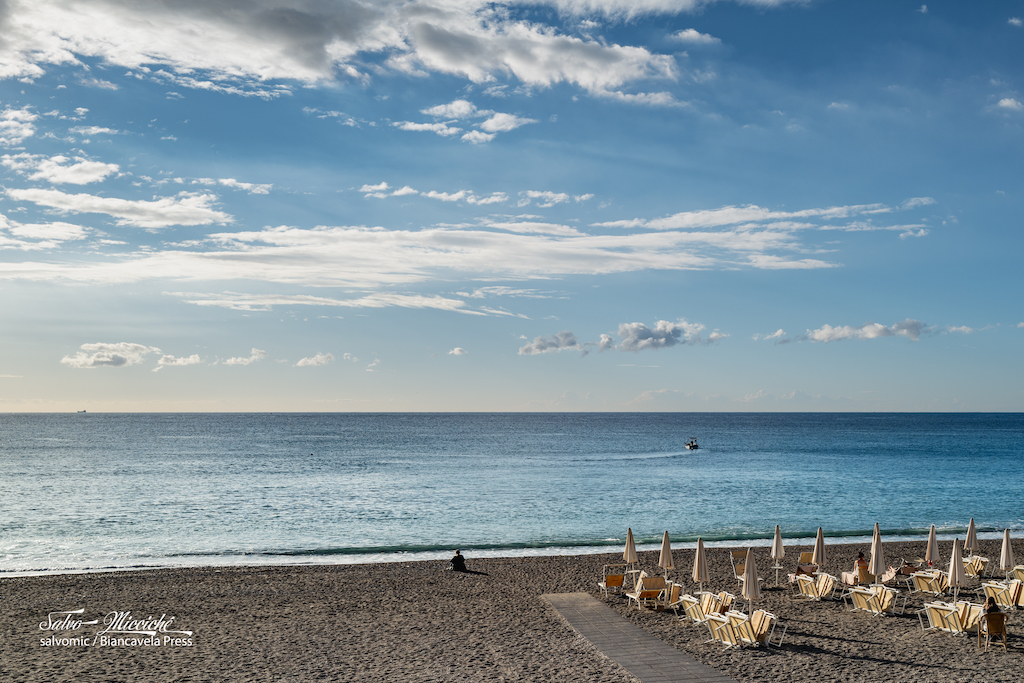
[87, 492]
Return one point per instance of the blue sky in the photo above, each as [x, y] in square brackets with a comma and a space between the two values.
[307, 205]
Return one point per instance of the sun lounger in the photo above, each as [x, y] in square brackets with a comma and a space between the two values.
[992, 625]
[860, 577]
[755, 630]
[674, 600]
[1007, 594]
[817, 588]
[961, 617]
[692, 611]
[877, 600]
[975, 565]
[722, 631]
[649, 591]
[710, 602]
[1017, 573]
[929, 582]
[614, 578]
[725, 601]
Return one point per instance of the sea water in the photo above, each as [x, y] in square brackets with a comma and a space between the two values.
[98, 491]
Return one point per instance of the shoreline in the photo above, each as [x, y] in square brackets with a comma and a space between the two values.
[412, 621]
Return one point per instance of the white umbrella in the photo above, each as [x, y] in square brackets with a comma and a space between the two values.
[751, 589]
[818, 557]
[700, 566]
[778, 552]
[665, 561]
[931, 555]
[957, 576]
[629, 555]
[1006, 562]
[877, 565]
[971, 542]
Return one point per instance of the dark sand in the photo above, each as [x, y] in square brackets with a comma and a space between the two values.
[415, 622]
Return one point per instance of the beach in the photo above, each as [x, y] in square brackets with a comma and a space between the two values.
[414, 621]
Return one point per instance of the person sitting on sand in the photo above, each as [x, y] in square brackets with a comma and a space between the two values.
[458, 563]
[991, 606]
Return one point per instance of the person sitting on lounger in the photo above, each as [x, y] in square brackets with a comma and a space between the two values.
[861, 562]
[458, 563]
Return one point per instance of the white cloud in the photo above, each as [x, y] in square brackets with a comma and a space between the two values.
[34, 236]
[1015, 21]
[563, 341]
[57, 170]
[265, 302]
[173, 361]
[318, 359]
[254, 356]
[108, 355]
[457, 109]
[923, 9]
[94, 130]
[251, 188]
[962, 329]
[502, 123]
[1011, 104]
[185, 209]
[442, 129]
[695, 37]
[778, 334]
[458, 351]
[912, 329]
[639, 337]
[15, 124]
[915, 202]
[477, 137]
[735, 215]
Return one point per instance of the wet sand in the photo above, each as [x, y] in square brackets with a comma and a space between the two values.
[416, 622]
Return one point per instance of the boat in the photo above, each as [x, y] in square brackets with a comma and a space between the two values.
[692, 445]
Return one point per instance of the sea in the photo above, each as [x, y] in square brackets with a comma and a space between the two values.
[91, 492]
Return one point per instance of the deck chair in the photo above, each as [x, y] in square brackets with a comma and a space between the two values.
[1016, 573]
[722, 631]
[674, 600]
[1006, 594]
[992, 625]
[886, 599]
[710, 603]
[806, 563]
[929, 582]
[648, 591]
[757, 629]
[725, 601]
[878, 600]
[739, 563]
[975, 566]
[613, 579]
[860, 577]
[862, 599]
[692, 610]
[962, 617]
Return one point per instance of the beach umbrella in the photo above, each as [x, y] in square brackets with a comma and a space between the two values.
[931, 555]
[971, 542]
[751, 589]
[629, 555]
[818, 557]
[1006, 562]
[778, 552]
[957, 576]
[700, 566]
[665, 561]
[877, 564]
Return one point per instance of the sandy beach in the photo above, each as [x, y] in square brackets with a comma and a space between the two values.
[415, 622]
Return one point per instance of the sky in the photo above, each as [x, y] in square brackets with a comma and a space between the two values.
[556, 205]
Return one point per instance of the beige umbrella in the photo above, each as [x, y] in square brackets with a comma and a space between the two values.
[778, 552]
[629, 555]
[1006, 562]
[818, 557]
[877, 564]
[700, 566]
[971, 542]
[931, 555]
[665, 561]
[751, 589]
[957, 576]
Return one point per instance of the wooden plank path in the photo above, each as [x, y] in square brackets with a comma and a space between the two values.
[647, 657]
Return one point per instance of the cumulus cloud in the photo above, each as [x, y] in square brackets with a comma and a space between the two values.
[318, 359]
[1015, 21]
[186, 208]
[461, 111]
[35, 236]
[167, 361]
[113, 355]
[458, 351]
[383, 190]
[16, 124]
[546, 198]
[57, 170]
[695, 37]
[553, 343]
[912, 329]
[639, 337]
[1010, 104]
[255, 355]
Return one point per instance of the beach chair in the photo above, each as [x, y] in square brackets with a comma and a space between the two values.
[861, 598]
[822, 587]
[739, 563]
[725, 601]
[692, 610]
[1017, 573]
[929, 582]
[975, 566]
[859, 577]
[710, 602]
[1006, 594]
[992, 625]
[757, 629]
[878, 600]
[613, 579]
[674, 601]
[961, 617]
[649, 590]
[722, 631]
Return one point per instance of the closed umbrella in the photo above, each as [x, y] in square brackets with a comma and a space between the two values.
[1006, 562]
[700, 566]
[818, 557]
[778, 552]
[629, 555]
[877, 564]
[751, 589]
[665, 561]
[957, 576]
[971, 542]
[931, 555]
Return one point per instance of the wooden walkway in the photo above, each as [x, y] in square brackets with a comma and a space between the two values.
[647, 657]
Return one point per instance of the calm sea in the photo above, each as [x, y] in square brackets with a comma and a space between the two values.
[91, 491]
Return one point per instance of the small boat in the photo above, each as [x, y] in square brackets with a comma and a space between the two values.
[81, 411]
[692, 445]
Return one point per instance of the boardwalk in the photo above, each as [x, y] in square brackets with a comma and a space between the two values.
[642, 654]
